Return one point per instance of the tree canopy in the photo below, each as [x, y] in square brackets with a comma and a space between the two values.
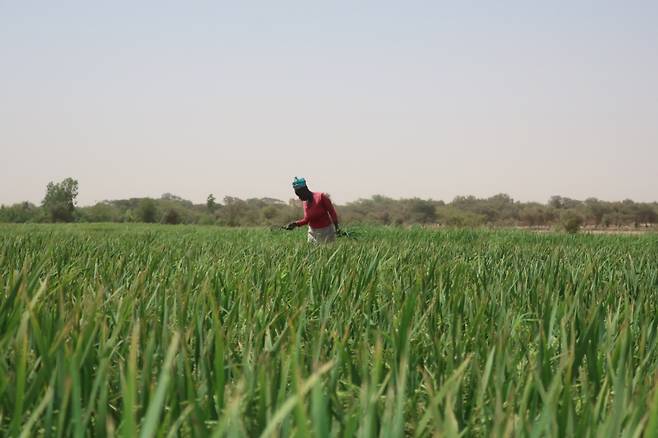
[60, 199]
[59, 205]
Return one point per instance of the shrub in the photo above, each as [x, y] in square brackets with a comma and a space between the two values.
[147, 210]
[571, 222]
[171, 217]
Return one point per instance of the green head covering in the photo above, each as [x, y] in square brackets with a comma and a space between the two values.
[298, 183]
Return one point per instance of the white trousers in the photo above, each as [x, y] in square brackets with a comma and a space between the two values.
[322, 235]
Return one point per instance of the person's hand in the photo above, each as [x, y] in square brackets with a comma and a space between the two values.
[337, 228]
[291, 226]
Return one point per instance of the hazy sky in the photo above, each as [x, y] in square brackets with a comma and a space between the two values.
[404, 98]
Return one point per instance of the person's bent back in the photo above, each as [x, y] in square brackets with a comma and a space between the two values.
[319, 214]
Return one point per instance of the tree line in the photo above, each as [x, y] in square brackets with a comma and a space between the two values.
[59, 205]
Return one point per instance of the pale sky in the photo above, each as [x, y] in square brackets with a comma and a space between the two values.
[402, 98]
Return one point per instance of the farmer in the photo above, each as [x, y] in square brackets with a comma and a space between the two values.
[319, 214]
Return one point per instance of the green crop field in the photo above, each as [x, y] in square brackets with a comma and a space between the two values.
[133, 330]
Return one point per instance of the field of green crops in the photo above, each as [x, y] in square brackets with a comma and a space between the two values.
[133, 330]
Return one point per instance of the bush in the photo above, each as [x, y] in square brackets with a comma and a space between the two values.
[21, 213]
[147, 210]
[571, 222]
[101, 212]
[454, 217]
[206, 219]
[171, 217]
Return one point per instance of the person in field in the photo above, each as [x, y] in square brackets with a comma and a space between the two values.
[319, 214]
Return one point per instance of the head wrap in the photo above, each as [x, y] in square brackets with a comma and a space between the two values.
[298, 183]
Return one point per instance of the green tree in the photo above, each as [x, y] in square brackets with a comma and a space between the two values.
[534, 215]
[571, 222]
[147, 211]
[171, 217]
[211, 203]
[60, 199]
[561, 202]
[644, 214]
[101, 212]
[420, 211]
[454, 217]
[20, 213]
[596, 210]
[128, 216]
[270, 214]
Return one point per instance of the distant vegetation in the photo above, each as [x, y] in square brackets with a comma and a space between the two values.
[464, 211]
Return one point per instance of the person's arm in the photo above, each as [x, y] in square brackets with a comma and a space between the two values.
[329, 206]
[299, 223]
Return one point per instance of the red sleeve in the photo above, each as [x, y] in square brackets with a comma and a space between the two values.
[326, 202]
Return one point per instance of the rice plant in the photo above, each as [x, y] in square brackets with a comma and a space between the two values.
[198, 331]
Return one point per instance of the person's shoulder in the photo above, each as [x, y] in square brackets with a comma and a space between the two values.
[325, 197]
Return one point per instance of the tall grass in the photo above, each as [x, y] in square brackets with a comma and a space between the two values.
[191, 331]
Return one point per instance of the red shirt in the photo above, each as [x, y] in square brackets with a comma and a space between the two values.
[320, 213]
